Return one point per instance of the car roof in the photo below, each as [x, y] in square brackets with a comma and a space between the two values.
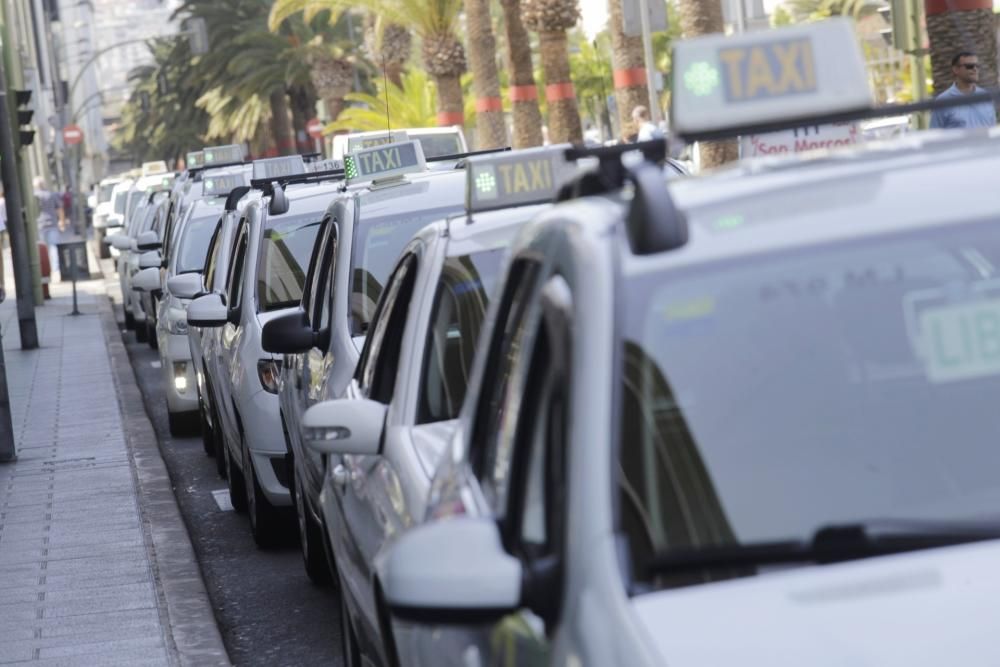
[880, 188]
[488, 230]
[421, 191]
[306, 198]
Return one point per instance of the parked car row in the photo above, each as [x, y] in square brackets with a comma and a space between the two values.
[571, 405]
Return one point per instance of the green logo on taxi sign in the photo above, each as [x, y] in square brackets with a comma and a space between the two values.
[350, 167]
[486, 184]
[701, 78]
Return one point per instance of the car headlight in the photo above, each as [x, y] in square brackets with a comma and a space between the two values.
[177, 322]
[269, 372]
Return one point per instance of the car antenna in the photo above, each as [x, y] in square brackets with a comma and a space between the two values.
[385, 79]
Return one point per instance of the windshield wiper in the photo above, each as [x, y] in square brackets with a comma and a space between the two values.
[830, 544]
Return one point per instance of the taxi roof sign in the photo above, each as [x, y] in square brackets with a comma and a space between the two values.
[384, 162]
[357, 142]
[220, 185]
[786, 74]
[289, 165]
[195, 159]
[518, 178]
[318, 166]
[223, 154]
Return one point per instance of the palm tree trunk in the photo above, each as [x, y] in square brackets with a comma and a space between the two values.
[967, 25]
[523, 91]
[564, 115]
[303, 110]
[490, 128]
[450, 106]
[704, 17]
[630, 70]
[281, 129]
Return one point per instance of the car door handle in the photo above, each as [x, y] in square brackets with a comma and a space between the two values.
[340, 475]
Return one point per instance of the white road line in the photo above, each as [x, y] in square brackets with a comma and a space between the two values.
[222, 500]
[155, 364]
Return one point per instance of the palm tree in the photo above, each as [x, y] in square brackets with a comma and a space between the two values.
[388, 46]
[490, 127]
[433, 21]
[704, 17]
[523, 92]
[630, 69]
[969, 26]
[414, 104]
[551, 19]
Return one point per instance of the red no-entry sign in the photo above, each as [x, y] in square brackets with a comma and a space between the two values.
[315, 128]
[72, 134]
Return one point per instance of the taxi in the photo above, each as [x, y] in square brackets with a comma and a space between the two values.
[389, 196]
[409, 384]
[183, 258]
[741, 418]
[273, 243]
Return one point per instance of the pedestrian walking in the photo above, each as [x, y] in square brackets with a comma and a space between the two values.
[645, 128]
[965, 70]
[51, 219]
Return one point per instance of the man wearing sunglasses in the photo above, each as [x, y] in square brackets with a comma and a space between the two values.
[965, 69]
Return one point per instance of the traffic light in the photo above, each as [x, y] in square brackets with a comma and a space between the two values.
[899, 17]
[25, 135]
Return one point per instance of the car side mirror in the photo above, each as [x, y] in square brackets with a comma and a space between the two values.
[289, 333]
[147, 280]
[120, 242]
[345, 426]
[452, 571]
[207, 311]
[149, 260]
[185, 285]
[147, 241]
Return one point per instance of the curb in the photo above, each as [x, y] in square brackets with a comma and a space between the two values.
[193, 632]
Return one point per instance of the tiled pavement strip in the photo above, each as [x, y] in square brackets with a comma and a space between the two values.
[95, 565]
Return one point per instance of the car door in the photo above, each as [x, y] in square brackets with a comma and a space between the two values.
[228, 332]
[367, 488]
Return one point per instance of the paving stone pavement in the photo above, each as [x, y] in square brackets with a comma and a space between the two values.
[79, 580]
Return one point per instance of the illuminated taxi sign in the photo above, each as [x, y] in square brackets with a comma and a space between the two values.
[514, 179]
[290, 165]
[383, 162]
[778, 75]
[220, 185]
[223, 154]
[195, 159]
[360, 142]
[325, 165]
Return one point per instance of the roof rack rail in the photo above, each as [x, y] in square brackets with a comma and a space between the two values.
[653, 222]
[883, 111]
[197, 172]
[235, 196]
[461, 156]
[267, 184]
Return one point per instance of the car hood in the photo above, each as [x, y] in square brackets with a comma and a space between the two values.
[934, 607]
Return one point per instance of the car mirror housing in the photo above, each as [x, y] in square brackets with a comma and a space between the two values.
[288, 334]
[150, 260]
[120, 242]
[345, 426]
[453, 571]
[147, 241]
[207, 311]
[185, 285]
[147, 280]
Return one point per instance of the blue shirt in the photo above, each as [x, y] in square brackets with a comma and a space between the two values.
[972, 115]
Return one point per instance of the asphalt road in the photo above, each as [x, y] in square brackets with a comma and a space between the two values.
[268, 611]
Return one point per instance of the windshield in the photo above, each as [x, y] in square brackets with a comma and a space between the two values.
[377, 244]
[193, 247]
[463, 295]
[104, 192]
[766, 399]
[436, 145]
[134, 198]
[284, 259]
[120, 202]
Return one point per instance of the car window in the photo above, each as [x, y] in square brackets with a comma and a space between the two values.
[324, 295]
[380, 356]
[437, 145]
[193, 246]
[460, 304]
[213, 257]
[376, 247]
[286, 247]
[120, 200]
[105, 193]
[314, 273]
[497, 408]
[234, 284]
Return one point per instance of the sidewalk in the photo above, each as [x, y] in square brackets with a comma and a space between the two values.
[96, 567]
